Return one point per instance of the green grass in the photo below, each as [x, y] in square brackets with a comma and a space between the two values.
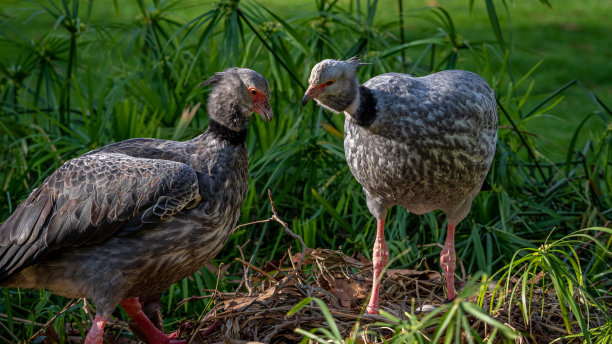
[571, 48]
[68, 86]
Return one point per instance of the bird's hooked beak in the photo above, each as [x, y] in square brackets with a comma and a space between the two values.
[312, 92]
[263, 109]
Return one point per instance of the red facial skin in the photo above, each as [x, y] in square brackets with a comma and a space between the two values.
[314, 90]
[261, 105]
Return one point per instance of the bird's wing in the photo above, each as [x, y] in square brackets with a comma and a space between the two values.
[91, 198]
[445, 104]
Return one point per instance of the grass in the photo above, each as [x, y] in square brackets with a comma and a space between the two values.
[74, 78]
[570, 48]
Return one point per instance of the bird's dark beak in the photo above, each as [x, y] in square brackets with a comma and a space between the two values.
[264, 110]
[311, 92]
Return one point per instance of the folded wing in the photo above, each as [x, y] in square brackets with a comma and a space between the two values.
[91, 198]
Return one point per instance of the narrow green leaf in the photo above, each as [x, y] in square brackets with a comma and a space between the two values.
[331, 322]
[495, 24]
[330, 209]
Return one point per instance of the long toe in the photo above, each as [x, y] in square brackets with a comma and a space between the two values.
[163, 339]
[155, 336]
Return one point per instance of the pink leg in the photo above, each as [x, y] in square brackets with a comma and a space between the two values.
[380, 258]
[96, 333]
[134, 309]
[447, 261]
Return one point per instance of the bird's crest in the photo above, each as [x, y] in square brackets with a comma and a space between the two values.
[220, 76]
[355, 61]
[216, 78]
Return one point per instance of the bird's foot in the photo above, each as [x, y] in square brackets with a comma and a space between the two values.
[186, 326]
[449, 300]
[371, 310]
[161, 338]
[210, 328]
[182, 328]
[155, 336]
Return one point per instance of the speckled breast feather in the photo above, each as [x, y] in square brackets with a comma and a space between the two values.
[429, 145]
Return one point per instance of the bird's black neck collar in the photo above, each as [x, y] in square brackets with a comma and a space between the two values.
[366, 112]
[233, 137]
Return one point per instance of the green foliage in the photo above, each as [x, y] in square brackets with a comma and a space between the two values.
[451, 323]
[564, 272]
[88, 74]
[572, 275]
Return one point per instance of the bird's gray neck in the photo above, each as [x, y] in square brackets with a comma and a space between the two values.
[352, 109]
[363, 108]
[225, 133]
[229, 112]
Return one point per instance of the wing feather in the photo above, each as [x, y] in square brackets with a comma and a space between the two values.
[91, 198]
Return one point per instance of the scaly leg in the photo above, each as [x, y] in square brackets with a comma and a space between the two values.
[150, 307]
[447, 261]
[134, 309]
[96, 333]
[380, 258]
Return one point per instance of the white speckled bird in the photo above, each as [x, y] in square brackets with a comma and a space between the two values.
[423, 143]
[129, 219]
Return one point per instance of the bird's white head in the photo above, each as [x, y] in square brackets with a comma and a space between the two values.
[237, 93]
[333, 84]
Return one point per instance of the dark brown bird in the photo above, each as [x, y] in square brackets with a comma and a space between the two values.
[423, 143]
[131, 218]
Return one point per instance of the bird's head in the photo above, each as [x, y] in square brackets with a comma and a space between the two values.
[237, 93]
[333, 84]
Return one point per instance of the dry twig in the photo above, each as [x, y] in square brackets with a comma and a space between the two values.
[68, 305]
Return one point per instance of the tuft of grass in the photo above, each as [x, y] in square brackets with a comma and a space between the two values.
[521, 301]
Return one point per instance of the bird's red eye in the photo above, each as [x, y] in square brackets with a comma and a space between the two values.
[253, 92]
[330, 82]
